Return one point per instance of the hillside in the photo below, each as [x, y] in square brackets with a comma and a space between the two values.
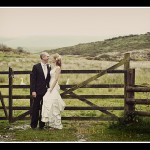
[111, 49]
[6, 49]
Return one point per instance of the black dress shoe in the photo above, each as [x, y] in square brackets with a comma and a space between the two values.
[41, 128]
[33, 127]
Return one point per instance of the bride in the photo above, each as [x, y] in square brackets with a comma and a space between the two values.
[53, 104]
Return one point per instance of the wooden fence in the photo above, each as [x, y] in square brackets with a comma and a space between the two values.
[68, 93]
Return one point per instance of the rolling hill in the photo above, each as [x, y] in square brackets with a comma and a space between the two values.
[111, 49]
[6, 49]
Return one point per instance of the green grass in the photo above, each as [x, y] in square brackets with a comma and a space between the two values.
[76, 130]
[17, 132]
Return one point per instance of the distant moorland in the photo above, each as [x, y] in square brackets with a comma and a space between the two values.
[111, 49]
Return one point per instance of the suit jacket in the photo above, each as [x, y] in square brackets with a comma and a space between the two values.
[38, 82]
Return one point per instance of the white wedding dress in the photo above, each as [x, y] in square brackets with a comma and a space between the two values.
[53, 105]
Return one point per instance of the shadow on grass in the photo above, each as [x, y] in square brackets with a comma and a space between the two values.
[142, 125]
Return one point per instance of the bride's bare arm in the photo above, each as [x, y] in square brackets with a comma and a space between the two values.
[58, 71]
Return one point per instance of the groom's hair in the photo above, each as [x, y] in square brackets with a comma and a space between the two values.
[43, 54]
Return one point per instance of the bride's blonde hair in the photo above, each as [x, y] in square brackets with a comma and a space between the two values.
[57, 57]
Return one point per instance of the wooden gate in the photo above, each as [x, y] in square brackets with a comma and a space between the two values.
[68, 93]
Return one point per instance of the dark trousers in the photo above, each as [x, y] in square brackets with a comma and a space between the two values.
[36, 112]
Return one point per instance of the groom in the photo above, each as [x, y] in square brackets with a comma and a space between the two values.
[39, 84]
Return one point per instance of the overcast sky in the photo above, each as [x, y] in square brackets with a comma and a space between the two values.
[84, 21]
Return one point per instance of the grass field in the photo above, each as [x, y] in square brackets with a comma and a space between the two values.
[76, 131]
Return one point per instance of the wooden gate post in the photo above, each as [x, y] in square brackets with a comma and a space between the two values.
[129, 80]
[127, 63]
[31, 98]
[129, 107]
[10, 76]
[126, 67]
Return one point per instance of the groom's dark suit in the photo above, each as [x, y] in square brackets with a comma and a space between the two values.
[39, 85]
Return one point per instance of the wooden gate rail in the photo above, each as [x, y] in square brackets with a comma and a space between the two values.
[75, 108]
[90, 118]
[70, 86]
[142, 113]
[72, 97]
[138, 89]
[138, 101]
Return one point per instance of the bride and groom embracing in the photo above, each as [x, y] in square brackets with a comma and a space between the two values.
[47, 103]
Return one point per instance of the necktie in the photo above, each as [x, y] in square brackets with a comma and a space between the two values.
[45, 70]
[44, 67]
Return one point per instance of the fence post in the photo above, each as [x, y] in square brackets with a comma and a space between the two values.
[126, 67]
[129, 107]
[127, 63]
[31, 99]
[129, 80]
[10, 76]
